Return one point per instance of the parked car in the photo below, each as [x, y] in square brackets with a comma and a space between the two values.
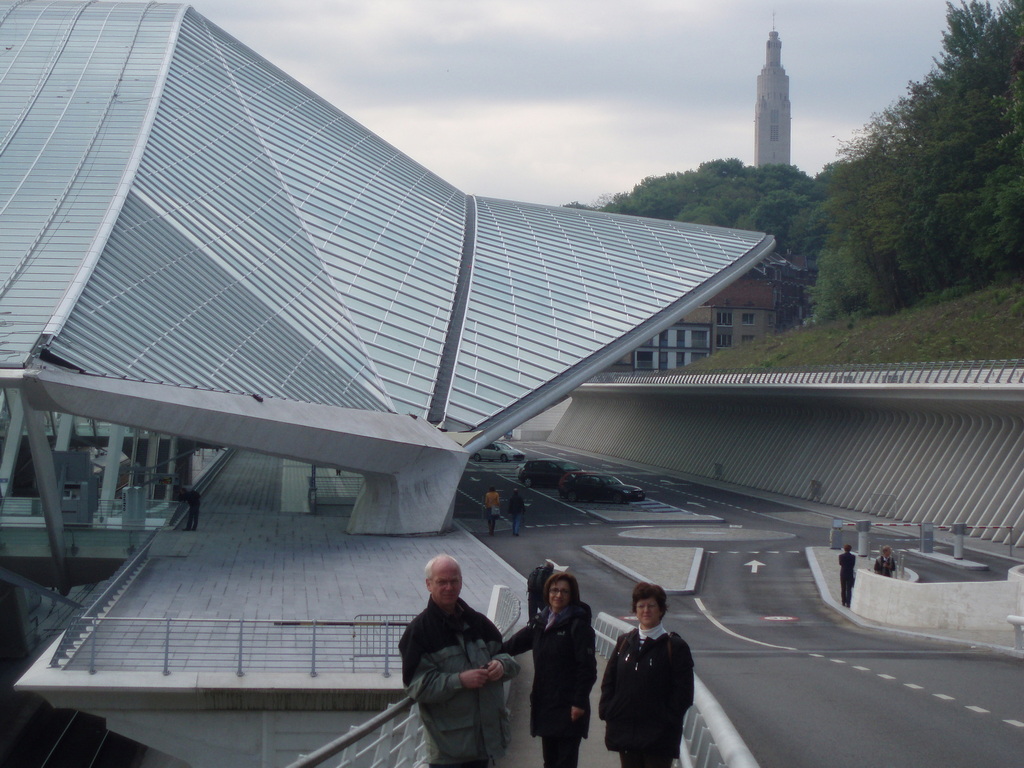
[596, 486]
[545, 472]
[498, 452]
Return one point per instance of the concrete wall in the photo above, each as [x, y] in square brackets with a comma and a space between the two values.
[909, 454]
[963, 605]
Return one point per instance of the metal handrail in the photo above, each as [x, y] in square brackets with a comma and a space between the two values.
[241, 645]
[986, 372]
[403, 741]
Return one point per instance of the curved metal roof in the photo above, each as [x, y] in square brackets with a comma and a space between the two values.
[176, 209]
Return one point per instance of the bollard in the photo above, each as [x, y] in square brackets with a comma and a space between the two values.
[863, 538]
[959, 529]
[927, 537]
[835, 536]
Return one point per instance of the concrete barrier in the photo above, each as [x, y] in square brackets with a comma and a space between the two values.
[947, 605]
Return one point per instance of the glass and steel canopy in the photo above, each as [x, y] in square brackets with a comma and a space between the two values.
[175, 209]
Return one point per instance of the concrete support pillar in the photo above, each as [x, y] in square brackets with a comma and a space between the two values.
[12, 442]
[49, 494]
[152, 457]
[112, 465]
[63, 427]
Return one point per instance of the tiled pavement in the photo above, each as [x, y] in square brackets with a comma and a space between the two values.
[251, 560]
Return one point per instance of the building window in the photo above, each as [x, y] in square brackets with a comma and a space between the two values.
[663, 339]
[644, 359]
[745, 339]
[723, 340]
[680, 359]
[775, 133]
[748, 318]
[697, 356]
[698, 338]
[725, 318]
[771, 318]
[663, 361]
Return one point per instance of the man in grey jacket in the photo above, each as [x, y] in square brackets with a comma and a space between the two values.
[453, 667]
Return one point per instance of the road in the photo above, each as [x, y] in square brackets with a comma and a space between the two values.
[805, 687]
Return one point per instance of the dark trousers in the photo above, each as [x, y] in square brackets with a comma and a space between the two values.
[644, 760]
[192, 521]
[846, 588]
[561, 752]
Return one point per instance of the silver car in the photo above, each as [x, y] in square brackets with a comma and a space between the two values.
[498, 452]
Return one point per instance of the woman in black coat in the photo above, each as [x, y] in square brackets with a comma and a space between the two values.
[647, 687]
[565, 670]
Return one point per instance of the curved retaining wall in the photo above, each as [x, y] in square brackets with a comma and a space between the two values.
[909, 455]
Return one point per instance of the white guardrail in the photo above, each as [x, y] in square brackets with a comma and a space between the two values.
[394, 738]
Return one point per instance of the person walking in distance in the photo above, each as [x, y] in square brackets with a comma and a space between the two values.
[191, 497]
[492, 508]
[516, 510]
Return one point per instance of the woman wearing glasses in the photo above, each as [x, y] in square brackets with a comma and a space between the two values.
[564, 670]
[647, 687]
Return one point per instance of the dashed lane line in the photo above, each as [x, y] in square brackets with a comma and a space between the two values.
[916, 687]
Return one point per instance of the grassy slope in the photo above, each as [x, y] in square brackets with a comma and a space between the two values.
[987, 325]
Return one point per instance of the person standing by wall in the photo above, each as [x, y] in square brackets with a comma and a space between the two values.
[565, 669]
[453, 667]
[885, 564]
[847, 574]
[647, 687]
[191, 497]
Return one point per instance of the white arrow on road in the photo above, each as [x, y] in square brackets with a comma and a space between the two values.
[754, 565]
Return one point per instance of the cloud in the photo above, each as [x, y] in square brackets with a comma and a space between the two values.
[559, 100]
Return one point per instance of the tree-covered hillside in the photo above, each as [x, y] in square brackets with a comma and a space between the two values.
[779, 199]
[926, 201]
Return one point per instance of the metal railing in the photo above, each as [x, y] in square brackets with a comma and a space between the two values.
[394, 738]
[985, 372]
[242, 645]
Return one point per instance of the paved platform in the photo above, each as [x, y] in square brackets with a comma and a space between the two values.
[249, 559]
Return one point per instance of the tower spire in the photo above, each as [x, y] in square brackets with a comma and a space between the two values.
[772, 114]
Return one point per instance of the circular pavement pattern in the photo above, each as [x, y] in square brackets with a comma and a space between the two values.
[702, 533]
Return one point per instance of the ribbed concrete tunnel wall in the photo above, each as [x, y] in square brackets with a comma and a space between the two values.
[913, 459]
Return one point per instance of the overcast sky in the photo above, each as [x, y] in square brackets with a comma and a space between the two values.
[552, 101]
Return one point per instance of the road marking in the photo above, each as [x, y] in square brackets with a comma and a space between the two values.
[1016, 723]
[707, 614]
[943, 696]
[887, 677]
[863, 669]
[837, 661]
[979, 710]
[914, 687]
[753, 565]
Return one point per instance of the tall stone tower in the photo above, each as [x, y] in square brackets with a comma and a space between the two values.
[772, 112]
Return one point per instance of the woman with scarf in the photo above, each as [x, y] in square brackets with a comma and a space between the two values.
[647, 687]
[564, 670]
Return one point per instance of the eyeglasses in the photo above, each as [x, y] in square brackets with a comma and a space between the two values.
[557, 591]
